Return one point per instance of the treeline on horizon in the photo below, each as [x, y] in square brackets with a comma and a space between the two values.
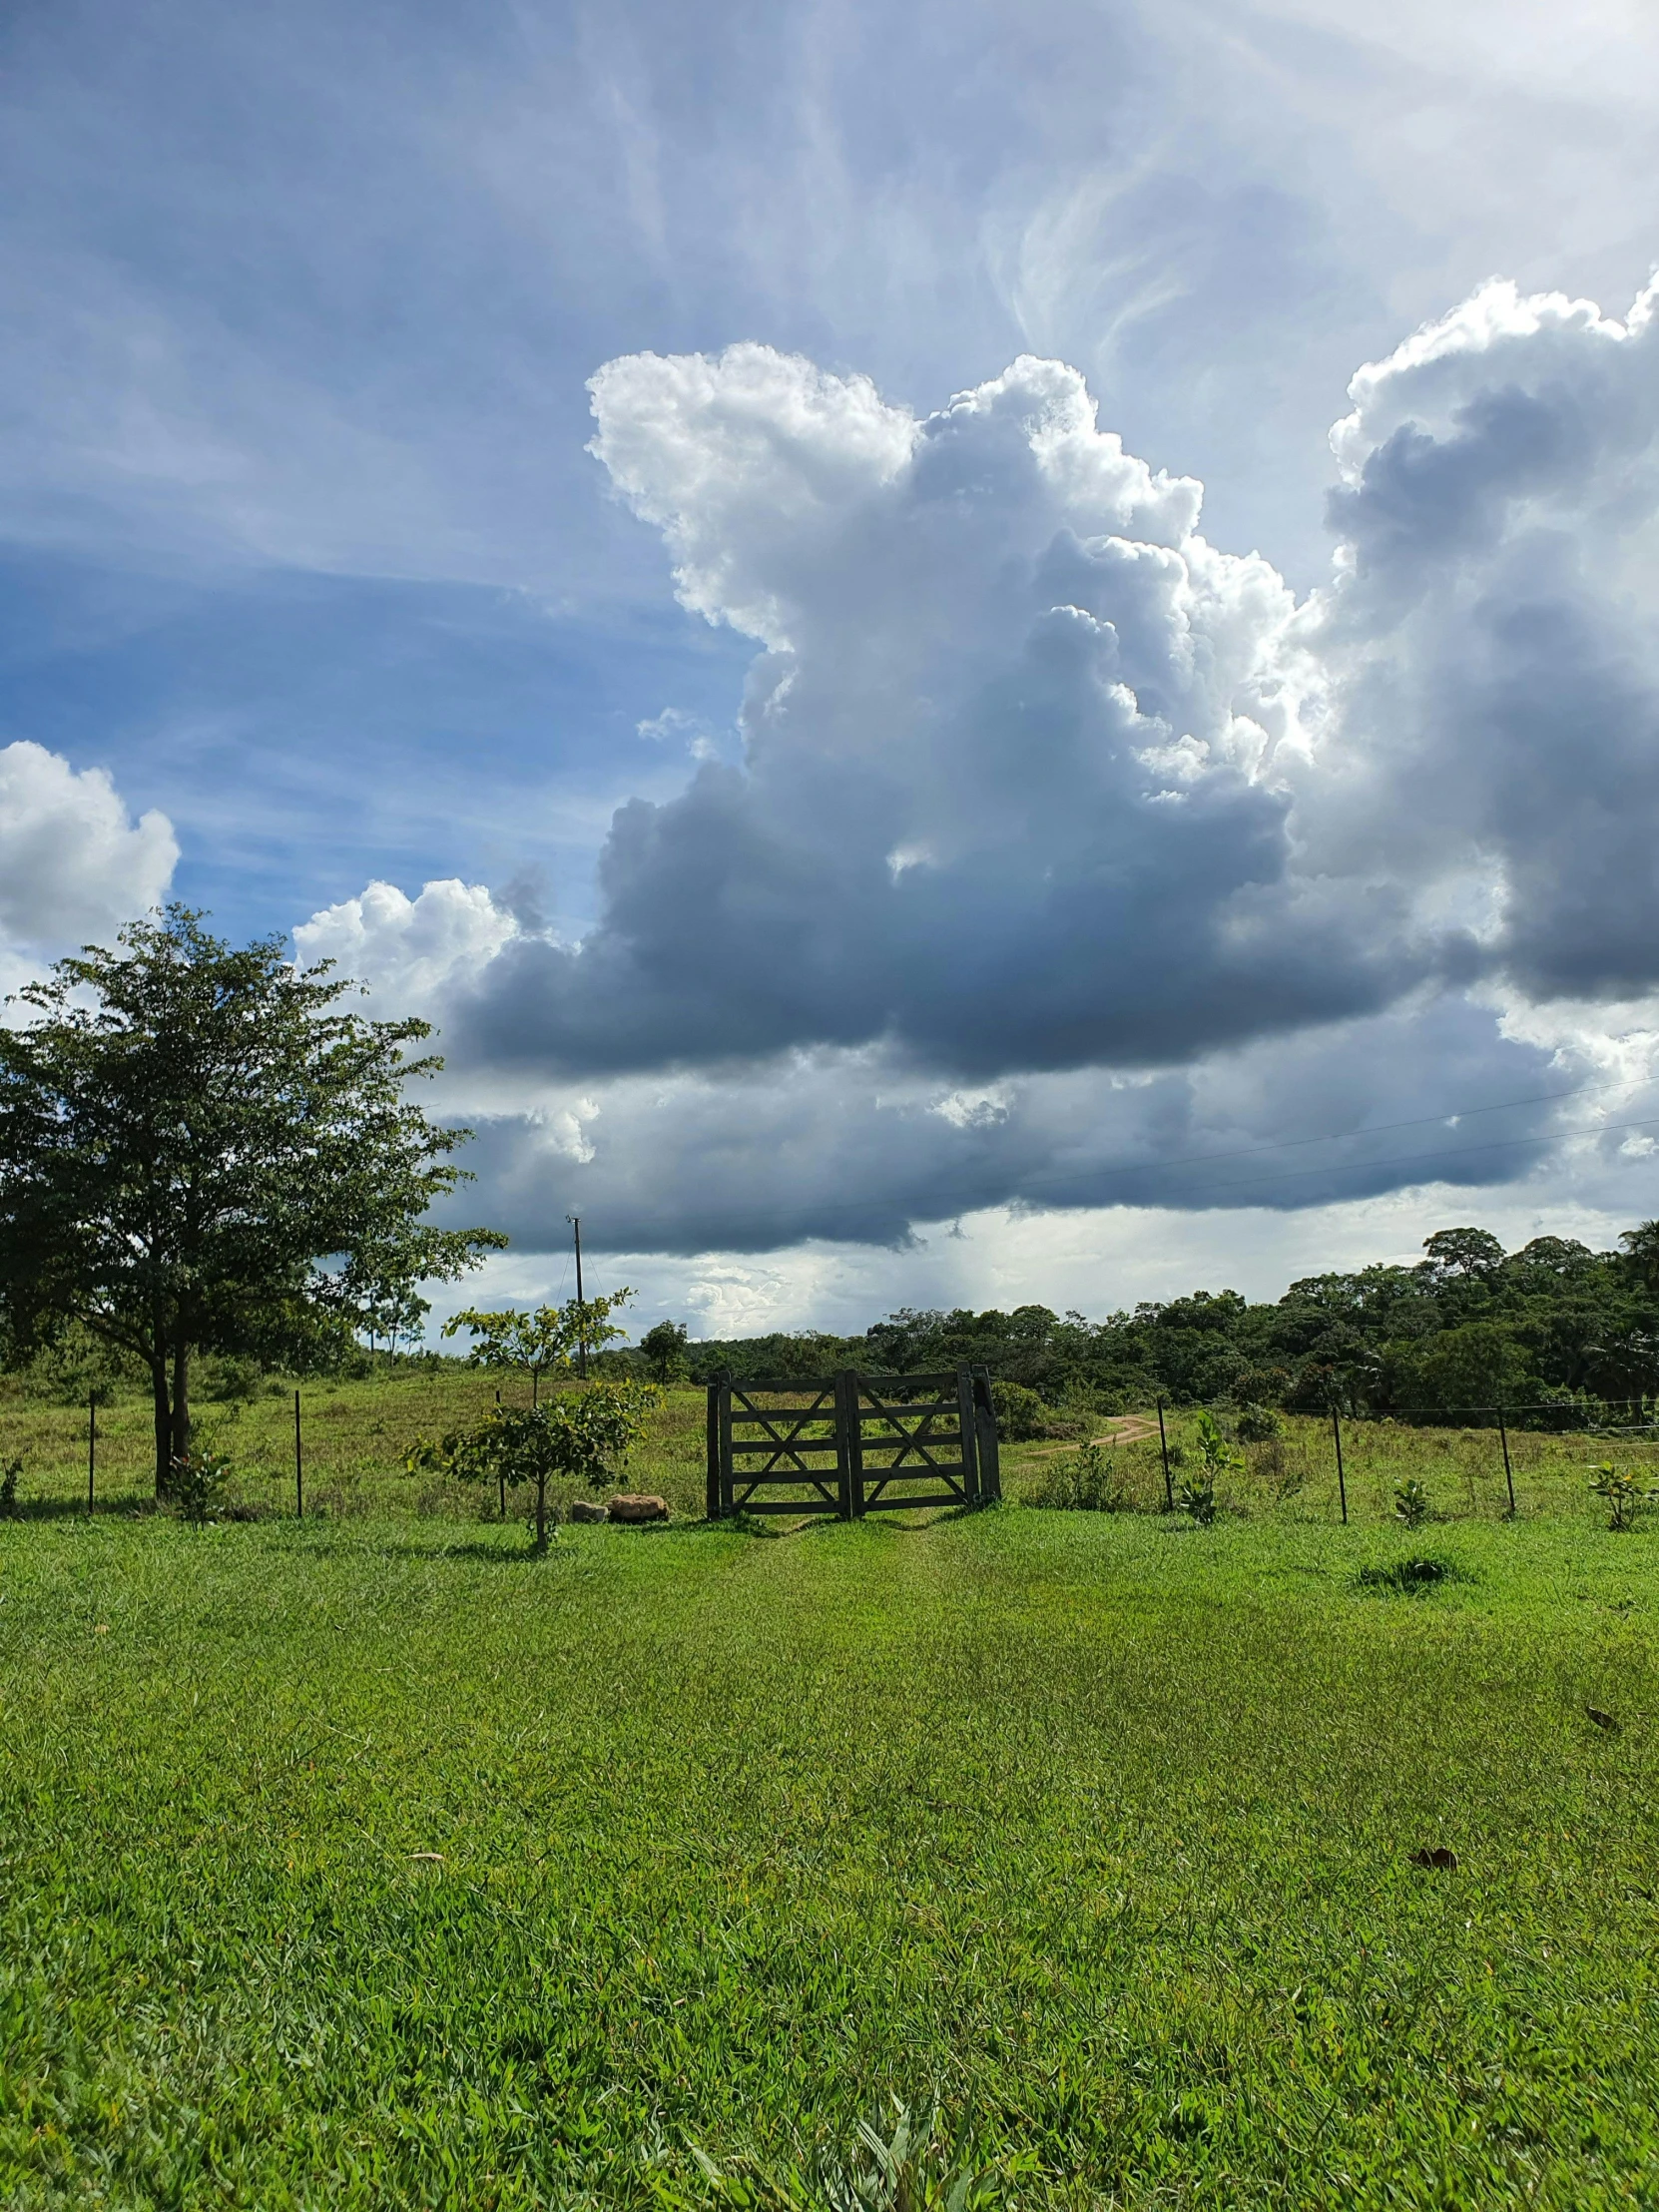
[1469, 1328]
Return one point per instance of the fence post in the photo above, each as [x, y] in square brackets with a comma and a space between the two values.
[967, 1424]
[1342, 1480]
[1508, 1471]
[849, 1446]
[501, 1472]
[724, 1386]
[92, 1445]
[987, 1454]
[711, 1490]
[298, 1465]
[1163, 1446]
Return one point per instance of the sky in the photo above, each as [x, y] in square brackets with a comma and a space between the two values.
[969, 655]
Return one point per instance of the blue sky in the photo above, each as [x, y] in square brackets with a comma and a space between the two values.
[308, 562]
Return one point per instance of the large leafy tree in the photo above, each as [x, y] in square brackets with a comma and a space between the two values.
[200, 1150]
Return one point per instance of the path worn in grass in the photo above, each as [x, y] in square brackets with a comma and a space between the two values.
[375, 1864]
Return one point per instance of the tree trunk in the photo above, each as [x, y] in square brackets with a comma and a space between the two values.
[181, 1396]
[164, 1424]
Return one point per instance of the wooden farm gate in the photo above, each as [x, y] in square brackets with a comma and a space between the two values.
[854, 1445]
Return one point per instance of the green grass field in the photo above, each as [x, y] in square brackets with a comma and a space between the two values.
[370, 1862]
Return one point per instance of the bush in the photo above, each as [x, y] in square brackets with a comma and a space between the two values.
[1085, 1481]
[1256, 1425]
[1021, 1414]
[1622, 1495]
[8, 1487]
[199, 1481]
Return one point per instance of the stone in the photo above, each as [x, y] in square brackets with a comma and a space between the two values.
[584, 1510]
[638, 1508]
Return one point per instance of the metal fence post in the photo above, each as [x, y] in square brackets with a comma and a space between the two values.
[1163, 1446]
[1508, 1471]
[92, 1445]
[298, 1465]
[1342, 1480]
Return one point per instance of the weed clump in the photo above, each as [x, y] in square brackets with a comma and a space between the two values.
[1412, 1503]
[1622, 1495]
[1409, 1577]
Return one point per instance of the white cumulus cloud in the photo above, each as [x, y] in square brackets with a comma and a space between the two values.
[74, 865]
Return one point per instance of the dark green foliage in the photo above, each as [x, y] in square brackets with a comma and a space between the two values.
[11, 1471]
[664, 1347]
[1555, 1326]
[1021, 1414]
[1256, 1425]
[199, 1153]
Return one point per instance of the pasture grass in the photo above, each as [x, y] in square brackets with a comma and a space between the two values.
[370, 1862]
[355, 1434]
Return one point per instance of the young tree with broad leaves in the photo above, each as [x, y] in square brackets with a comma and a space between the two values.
[546, 1337]
[200, 1150]
[580, 1435]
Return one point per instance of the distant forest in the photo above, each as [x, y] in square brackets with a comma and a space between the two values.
[1470, 1325]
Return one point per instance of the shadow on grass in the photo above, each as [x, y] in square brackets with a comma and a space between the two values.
[75, 1509]
[493, 1555]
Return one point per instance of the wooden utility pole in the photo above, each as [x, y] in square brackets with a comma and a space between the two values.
[575, 1221]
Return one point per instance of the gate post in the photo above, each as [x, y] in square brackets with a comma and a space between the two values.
[989, 1463]
[849, 1446]
[723, 1438]
[712, 1499]
[967, 1420]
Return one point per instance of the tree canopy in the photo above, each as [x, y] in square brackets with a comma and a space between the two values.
[543, 1336]
[200, 1150]
[1468, 1327]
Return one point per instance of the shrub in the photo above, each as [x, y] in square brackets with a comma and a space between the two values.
[583, 1435]
[1085, 1481]
[1196, 1497]
[1256, 1425]
[199, 1481]
[1622, 1495]
[1021, 1414]
[1412, 1503]
[1215, 1458]
[8, 1487]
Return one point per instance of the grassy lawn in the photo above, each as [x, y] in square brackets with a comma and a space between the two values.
[369, 1862]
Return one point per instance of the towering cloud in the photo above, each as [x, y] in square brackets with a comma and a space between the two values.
[1062, 837]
